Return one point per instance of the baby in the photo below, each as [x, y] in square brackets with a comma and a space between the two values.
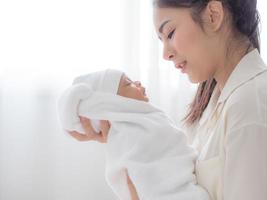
[141, 139]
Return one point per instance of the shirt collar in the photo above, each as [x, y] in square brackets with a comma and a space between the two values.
[249, 66]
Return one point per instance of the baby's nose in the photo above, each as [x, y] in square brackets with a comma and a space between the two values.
[138, 83]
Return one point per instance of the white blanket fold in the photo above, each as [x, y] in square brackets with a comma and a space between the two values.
[142, 139]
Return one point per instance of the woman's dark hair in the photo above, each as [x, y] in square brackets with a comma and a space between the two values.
[245, 20]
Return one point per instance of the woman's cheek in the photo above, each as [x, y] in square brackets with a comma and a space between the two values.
[179, 44]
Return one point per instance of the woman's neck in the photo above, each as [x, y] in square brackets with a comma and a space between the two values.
[229, 62]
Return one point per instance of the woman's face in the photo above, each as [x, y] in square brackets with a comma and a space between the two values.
[132, 89]
[185, 43]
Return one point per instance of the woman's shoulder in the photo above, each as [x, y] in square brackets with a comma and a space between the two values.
[252, 91]
[248, 103]
[247, 85]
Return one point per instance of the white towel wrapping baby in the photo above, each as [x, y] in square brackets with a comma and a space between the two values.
[142, 139]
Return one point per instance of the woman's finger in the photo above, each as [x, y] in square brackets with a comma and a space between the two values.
[104, 126]
[84, 137]
[90, 132]
[79, 136]
[87, 126]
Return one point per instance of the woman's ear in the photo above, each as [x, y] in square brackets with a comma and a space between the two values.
[214, 15]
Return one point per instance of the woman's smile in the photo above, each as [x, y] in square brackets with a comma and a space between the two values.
[181, 66]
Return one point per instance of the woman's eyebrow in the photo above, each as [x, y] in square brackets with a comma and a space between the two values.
[162, 25]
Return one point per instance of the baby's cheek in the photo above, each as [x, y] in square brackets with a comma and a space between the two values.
[141, 95]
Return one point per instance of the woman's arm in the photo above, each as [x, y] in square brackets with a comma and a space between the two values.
[134, 195]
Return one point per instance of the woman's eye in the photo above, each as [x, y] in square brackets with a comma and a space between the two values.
[170, 34]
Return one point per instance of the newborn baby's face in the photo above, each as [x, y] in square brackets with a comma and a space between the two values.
[130, 89]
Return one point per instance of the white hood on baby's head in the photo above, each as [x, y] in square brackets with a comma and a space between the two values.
[103, 81]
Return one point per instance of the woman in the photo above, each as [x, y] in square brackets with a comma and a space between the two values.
[216, 43]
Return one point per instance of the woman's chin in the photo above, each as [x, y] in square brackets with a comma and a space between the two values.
[194, 80]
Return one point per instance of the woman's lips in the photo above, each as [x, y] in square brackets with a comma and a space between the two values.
[181, 66]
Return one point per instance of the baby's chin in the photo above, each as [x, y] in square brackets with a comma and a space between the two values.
[142, 98]
[146, 99]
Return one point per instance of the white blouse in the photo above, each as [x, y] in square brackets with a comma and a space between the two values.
[231, 136]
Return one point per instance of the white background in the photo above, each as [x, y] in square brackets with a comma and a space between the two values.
[43, 45]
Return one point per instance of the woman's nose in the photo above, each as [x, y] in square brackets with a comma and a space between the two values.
[167, 53]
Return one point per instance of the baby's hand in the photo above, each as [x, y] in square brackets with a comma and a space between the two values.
[90, 133]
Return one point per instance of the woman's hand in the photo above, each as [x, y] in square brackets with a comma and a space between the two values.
[90, 133]
[134, 195]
